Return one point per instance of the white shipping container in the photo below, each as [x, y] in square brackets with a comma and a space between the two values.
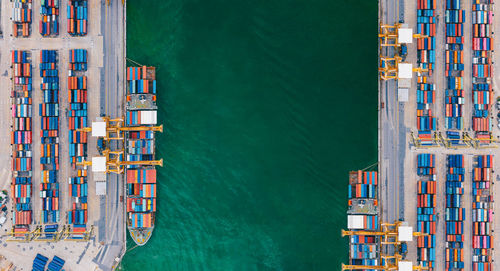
[148, 117]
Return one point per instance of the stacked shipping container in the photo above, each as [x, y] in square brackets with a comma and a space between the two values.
[364, 249]
[482, 91]
[426, 209]
[454, 213]
[141, 196]
[482, 214]
[21, 139]
[49, 23]
[21, 18]
[454, 100]
[139, 83]
[77, 17]
[77, 98]
[78, 190]
[426, 57]
[49, 134]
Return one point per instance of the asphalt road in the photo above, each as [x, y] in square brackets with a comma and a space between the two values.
[391, 132]
[113, 29]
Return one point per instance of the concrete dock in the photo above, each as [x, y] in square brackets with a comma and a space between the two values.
[106, 46]
[397, 154]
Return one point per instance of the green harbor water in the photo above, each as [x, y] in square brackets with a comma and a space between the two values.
[266, 106]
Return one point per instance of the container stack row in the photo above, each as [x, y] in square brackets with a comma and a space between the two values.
[363, 249]
[49, 22]
[454, 213]
[21, 18]
[426, 25]
[21, 140]
[482, 213]
[482, 90]
[426, 209]
[78, 189]
[141, 196]
[426, 57]
[49, 134]
[77, 17]
[454, 63]
[77, 98]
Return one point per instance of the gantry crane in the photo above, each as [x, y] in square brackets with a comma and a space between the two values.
[481, 143]
[417, 142]
[395, 35]
[395, 267]
[113, 129]
[115, 126]
[392, 234]
[115, 164]
[389, 230]
[393, 68]
[39, 235]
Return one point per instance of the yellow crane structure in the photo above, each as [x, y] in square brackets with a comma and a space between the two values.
[481, 143]
[39, 235]
[391, 234]
[389, 230]
[417, 142]
[115, 163]
[394, 35]
[114, 128]
[389, 67]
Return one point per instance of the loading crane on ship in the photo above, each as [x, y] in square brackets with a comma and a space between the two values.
[392, 234]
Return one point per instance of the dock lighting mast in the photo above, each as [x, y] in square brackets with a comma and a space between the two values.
[392, 234]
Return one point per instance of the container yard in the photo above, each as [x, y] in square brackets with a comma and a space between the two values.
[58, 81]
[436, 171]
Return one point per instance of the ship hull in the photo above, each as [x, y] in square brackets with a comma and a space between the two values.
[140, 235]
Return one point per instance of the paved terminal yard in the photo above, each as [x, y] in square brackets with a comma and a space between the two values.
[397, 120]
[105, 44]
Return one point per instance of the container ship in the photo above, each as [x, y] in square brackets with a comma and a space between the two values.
[141, 110]
[363, 215]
